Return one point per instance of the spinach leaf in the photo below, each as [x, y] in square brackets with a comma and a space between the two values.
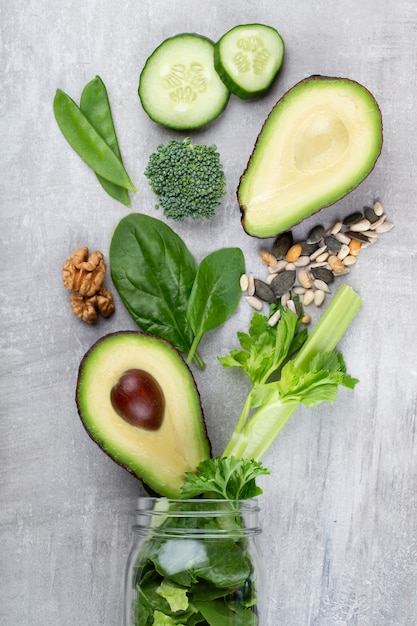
[216, 292]
[218, 614]
[153, 272]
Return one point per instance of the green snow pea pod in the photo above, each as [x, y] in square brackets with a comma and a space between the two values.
[87, 142]
[95, 105]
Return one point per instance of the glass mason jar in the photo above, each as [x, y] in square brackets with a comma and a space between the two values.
[195, 563]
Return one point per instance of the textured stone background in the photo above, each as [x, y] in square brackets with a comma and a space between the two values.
[339, 511]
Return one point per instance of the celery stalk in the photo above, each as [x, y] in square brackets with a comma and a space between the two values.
[255, 433]
[331, 326]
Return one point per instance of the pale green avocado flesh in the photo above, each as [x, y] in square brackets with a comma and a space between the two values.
[159, 457]
[320, 141]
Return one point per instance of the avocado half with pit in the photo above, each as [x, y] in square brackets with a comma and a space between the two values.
[321, 139]
[138, 401]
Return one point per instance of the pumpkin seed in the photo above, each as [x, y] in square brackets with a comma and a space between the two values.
[264, 291]
[356, 235]
[324, 274]
[307, 248]
[283, 282]
[282, 244]
[333, 244]
[316, 234]
[370, 214]
[353, 218]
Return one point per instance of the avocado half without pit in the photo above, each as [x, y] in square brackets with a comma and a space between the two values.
[139, 402]
[321, 139]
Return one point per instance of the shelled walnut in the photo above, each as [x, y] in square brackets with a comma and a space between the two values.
[83, 275]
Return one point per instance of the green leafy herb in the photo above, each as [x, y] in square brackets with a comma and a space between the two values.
[312, 377]
[161, 286]
[224, 477]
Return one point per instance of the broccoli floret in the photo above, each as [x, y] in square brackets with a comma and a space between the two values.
[187, 179]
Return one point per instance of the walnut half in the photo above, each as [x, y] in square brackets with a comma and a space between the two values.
[84, 275]
[85, 307]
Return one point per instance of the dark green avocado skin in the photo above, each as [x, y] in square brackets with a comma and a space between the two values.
[146, 466]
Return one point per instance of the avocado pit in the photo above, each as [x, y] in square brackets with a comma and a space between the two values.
[138, 398]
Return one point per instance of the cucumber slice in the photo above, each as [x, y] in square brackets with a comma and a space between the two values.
[179, 87]
[248, 58]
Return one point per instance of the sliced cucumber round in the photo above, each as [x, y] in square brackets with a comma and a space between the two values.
[248, 58]
[179, 87]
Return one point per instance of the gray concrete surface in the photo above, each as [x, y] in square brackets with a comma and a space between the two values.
[339, 510]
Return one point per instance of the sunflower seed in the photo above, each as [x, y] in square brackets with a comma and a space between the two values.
[360, 227]
[322, 257]
[251, 285]
[344, 251]
[302, 261]
[342, 237]
[350, 260]
[255, 303]
[317, 253]
[284, 299]
[244, 282]
[320, 284]
[274, 319]
[279, 267]
[379, 221]
[308, 297]
[291, 306]
[299, 291]
[385, 227]
[378, 208]
[319, 297]
[336, 228]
